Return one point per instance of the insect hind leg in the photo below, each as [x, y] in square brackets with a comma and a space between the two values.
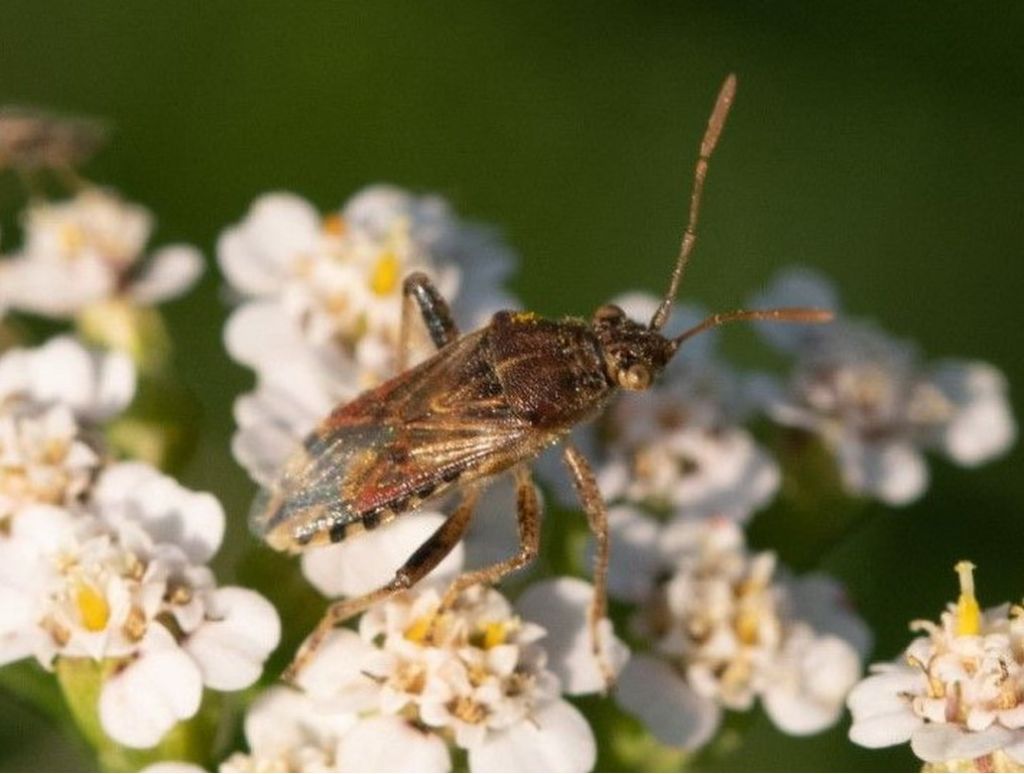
[437, 317]
[597, 519]
[424, 559]
[528, 511]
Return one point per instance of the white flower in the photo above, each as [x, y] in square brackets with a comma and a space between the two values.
[320, 323]
[89, 249]
[287, 732]
[678, 445]
[474, 674]
[95, 386]
[49, 398]
[877, 406]
[956, 695]
[726, 630]
[118, 577]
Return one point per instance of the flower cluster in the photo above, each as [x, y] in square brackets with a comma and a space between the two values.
[725, 628]
[958, 692]
[323, 297]
[874, 403]
[89, 250]
[103, 562]
[415, 679]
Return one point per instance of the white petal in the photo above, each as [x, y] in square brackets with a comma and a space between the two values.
[649, 689]
[894, 472]
[368, 560]
[231, 648]
[337, 676]
[167, 511]
[794, 286]
[387, 743]
[556, 738]
[173, 767]
[54, 289]
[821, 601]
[982, 426]
[561, 606]
[941, 742]
[635, 559]
[813, 700]
[170, 272]
[141, 704]
[257, 254]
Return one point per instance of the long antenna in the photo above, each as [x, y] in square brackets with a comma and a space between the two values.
[786, 314]
[707, 146]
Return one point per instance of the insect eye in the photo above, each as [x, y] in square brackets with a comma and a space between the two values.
[608, 313]
[636, 377]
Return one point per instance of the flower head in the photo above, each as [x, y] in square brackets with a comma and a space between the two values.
[725, 630]
[958, 692]
[87, 250]
[877, 405]
[474, 675]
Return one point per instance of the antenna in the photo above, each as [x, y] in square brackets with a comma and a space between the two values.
[786, 315]
[715, 125]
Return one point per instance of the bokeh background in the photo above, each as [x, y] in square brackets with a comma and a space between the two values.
[880, 142]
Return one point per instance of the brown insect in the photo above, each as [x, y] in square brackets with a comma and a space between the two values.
[486, 403]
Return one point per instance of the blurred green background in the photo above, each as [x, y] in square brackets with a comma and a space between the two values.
[880, 142]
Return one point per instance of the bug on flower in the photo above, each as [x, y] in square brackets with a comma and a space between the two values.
[487, 403]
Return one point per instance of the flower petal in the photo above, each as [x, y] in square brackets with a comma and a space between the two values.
[561, 606]
[141, 704]
[170, 272]
[945, 742]
[367, 561]
[388, 743]
[649, 689]
[556, 738]
[231, 648]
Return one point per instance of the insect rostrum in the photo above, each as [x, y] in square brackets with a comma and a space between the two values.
[484, 404]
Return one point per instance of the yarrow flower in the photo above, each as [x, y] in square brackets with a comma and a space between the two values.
[415, 679]
[104, 563]
[875, 404]
[322, 307]
[725, 629]
[957, 695]
[51, 399]
[88, 250]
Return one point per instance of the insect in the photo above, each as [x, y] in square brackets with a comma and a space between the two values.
[485, 404]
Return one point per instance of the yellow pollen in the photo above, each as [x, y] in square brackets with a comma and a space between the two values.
[968, 612]
[494, 634]
[746, 627]
[71, 238]
[334, 225]
[92, 607]
[420, 629]
[525, 317]
[384, 279]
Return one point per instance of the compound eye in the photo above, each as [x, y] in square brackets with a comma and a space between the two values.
[608, 313]
[636, 377]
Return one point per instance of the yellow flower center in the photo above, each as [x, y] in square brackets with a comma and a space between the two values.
[93, 608]
[494, 634]
[420, 629]
[968, 612]
[334, 225]
[384, 279]
[71, 238]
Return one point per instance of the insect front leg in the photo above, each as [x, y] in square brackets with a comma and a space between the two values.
[528, 510]
[416, 567]
[417, 288]
[597, 518]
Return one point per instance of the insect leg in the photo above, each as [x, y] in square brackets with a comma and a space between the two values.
[597, 518]
[417, 288]
[528, 510]
[416, 567]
